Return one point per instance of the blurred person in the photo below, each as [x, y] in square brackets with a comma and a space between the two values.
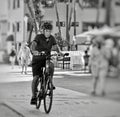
[94, 64]
[12, 56]
[24, 57]
[99, 62]
[114, 59]
[86, 60]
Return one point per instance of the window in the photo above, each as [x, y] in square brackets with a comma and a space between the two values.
[18, 26]
[62, 23]
[13, 27]
[90, 25]
[28, 26]
[89, 3]
[61, 0]
[65, 0]
[8, 26]
[9, 4]
[18, 3]
[75, 24]
[47, 21]
[117, 3]
[14, 4]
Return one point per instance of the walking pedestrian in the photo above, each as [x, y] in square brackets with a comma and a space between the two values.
[12, 56]
[86, 60]
[99, 62]
[24, 56]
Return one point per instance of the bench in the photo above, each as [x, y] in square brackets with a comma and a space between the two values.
[63, 62]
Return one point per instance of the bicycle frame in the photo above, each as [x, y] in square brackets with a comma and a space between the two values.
[46, 86]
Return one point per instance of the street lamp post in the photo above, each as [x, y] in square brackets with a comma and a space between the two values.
[75, 18]
[15, 32]
[67, 30]
[25, 28]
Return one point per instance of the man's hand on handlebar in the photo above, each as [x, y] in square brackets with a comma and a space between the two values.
[63, 54]
[35, 53]
[60, 54]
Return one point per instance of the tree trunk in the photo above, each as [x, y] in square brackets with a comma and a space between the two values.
[108, 11]
[29, 5]
[58, 20]
[30, 34]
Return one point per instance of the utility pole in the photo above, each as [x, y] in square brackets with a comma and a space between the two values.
[71, 12]
[75, 18]
[67, 31]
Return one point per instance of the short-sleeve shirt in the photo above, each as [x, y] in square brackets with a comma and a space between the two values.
[44, 44]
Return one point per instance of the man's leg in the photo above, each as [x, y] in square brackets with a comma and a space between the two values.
[22, 65]
[26, 65]
[52, 72]
[12, 62]
[95, 82]
[37, 71]
[34, 89]
[102, 76]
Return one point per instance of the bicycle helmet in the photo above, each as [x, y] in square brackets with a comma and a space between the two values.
[47, 26]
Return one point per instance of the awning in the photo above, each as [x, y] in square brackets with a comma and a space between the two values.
[10, 38]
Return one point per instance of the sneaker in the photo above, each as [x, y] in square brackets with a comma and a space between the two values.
[54, 87]
[33, 101]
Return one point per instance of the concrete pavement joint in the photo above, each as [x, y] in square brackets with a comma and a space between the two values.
[6, 105]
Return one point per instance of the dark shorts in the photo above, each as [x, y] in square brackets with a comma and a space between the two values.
[37, 63]
[86, 64]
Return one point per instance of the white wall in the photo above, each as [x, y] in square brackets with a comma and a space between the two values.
[17, 15]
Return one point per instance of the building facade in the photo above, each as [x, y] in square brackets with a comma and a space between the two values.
[82, 19]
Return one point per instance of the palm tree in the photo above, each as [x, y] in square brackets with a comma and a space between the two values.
[58, 20]
[34, 7]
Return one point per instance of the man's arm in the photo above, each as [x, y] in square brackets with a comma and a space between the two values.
[58, 49]
[33, 48]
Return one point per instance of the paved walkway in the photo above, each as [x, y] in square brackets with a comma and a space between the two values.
[67, 103]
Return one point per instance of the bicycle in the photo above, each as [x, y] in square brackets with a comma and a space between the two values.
[45, 86]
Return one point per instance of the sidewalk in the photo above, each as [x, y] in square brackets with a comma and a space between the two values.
[66, 103]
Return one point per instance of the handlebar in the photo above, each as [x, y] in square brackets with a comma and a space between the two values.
[43, 53]
[66, 54]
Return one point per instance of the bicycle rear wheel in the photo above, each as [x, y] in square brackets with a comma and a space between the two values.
[48, 95]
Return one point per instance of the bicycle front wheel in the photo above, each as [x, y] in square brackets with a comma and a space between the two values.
[38, 101]
[48, 95]
[39, 95]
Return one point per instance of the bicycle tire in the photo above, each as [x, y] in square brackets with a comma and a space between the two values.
[39, 94]
[38, 101]
[49, 94]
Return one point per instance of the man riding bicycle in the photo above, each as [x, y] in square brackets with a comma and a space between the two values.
[41, 43]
